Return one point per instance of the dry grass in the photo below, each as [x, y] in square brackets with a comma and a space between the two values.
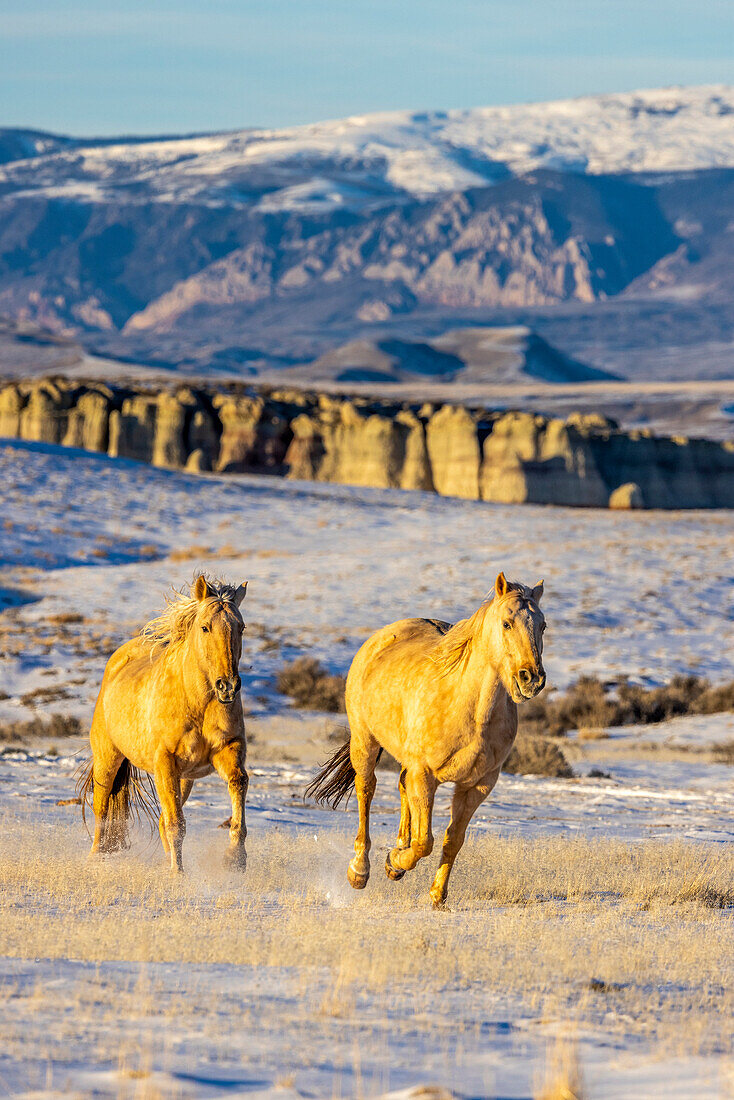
[724, 754]
[310, 686]
[638, 930]
[563, 1079]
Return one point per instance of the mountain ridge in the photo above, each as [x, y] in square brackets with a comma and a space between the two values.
[277, 246]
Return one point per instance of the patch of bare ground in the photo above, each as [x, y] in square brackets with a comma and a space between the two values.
[605, 929]
[227, 550]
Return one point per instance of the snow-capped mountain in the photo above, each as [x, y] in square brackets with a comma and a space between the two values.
[373, 159]
[229, 250]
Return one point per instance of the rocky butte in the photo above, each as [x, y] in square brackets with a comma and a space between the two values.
[508, 457]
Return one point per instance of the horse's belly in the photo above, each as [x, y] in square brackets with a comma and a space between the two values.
[195, 771]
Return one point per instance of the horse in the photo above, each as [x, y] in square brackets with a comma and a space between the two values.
[170, 706]
[442, 700]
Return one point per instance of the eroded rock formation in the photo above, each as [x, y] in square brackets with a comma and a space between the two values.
[513, 457]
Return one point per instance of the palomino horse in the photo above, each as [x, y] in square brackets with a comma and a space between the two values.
[169, 705]
[443, 701]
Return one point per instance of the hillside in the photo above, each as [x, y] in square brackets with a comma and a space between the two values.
[273, 248]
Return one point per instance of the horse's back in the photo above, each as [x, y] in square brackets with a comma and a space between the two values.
[129, 653]
[391, 641]
[395, 653]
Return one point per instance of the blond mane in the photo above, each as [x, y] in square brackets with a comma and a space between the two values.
[170, 629]
[454, 648]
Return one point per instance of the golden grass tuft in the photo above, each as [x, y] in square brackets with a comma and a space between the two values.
[563, 1078]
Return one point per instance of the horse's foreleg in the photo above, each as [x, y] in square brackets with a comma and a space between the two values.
[186, 785]
[420, 789]
[463, 805]
[230, 764]
[168, 786]
[404, 829]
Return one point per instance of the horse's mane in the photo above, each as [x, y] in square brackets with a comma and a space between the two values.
[170, 629]
[453, 649]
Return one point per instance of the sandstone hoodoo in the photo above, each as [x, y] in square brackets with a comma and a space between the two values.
[477, 454]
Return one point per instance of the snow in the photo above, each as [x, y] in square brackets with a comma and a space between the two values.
[89, 535]
[400, 153]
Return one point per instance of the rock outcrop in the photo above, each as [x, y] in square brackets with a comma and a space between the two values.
[508, 458]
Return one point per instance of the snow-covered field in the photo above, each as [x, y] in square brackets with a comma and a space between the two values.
[585, 909]
[368, 159]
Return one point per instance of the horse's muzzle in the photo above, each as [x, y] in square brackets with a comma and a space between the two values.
[530, 683]
[227, 689]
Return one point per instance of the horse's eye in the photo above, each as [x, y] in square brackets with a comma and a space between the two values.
[506, 624]
[543, 628]
[205, 629]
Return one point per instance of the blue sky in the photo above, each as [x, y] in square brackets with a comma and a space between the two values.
[178, 65]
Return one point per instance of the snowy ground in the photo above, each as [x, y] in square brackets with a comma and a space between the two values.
[117, 982]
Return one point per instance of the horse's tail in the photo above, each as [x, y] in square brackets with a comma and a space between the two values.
[133, 794]
[335, 780]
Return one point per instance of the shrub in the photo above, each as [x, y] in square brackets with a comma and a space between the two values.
[310, 686]
[533, 755]
[590, 704]
[58, 725]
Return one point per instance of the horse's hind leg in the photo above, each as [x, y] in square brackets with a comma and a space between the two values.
[186, 785]
[403, 830]
[420, 788]
[106, 762]
[363, 752]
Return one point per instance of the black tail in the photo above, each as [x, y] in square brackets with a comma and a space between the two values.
[335, 781]
[133, 794]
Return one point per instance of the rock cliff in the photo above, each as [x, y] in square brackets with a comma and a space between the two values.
[510, 457]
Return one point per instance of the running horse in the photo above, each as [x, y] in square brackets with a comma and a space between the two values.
[170, 705]
[442, 700]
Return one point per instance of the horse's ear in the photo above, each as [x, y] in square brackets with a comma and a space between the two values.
[537, 592]
[200, 589]
[239, 594]
[501, 586]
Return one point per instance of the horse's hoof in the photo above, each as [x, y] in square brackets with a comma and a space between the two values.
[395, 873]
[357, 879]
[235, 859]
[439, 903]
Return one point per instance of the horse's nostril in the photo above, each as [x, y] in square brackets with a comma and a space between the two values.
[220, 685]
[525, 676]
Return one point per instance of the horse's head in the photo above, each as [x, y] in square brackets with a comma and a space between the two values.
[217, 635]
[517, 626]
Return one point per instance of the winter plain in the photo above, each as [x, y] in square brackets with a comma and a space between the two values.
[588, 943]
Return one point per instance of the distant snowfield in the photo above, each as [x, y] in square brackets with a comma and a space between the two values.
[647, 594]
[373, 158]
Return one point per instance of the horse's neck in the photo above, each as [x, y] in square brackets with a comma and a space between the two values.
[480, 683]
[197, 690]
